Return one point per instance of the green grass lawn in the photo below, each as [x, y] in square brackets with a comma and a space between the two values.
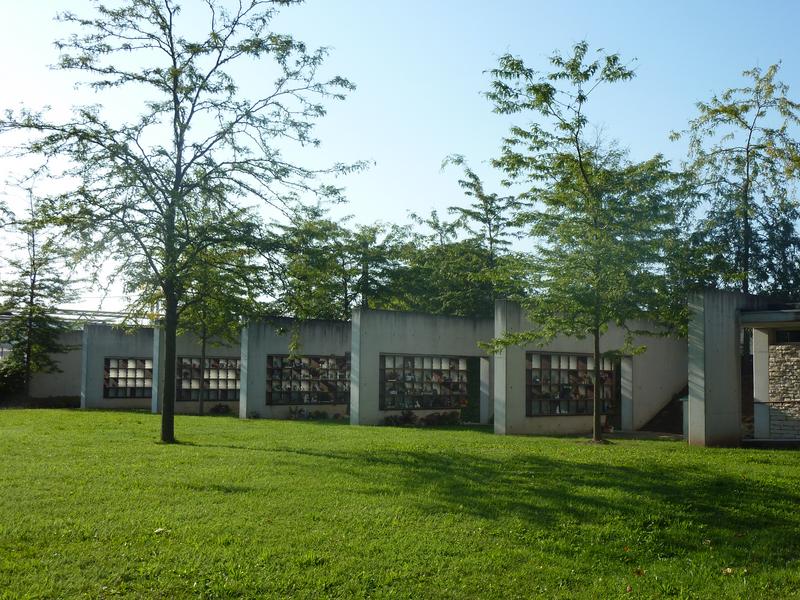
[92, 506]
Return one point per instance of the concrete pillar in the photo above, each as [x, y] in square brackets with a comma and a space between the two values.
[762, 338]
[626, 394]
[487, 409]
[157, 397]
[91, 373]
[509, 372]
[715, 405]
[358, 413]
[253, 392]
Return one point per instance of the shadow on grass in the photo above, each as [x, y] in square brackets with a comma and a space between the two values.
[661, 510]
[218, 487]
[664, 504]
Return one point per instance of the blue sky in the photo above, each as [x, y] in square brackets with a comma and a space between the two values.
[419, 67]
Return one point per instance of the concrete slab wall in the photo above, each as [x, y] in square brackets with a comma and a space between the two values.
[649, 380]
[377, 332]
[189, 346]
[715, 404]
[315, 337]
[67, 383]
[101, 342]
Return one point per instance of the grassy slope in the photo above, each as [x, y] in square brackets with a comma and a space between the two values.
[91, 506]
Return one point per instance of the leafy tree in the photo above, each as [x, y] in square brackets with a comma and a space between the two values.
[37, 285]
[226, 287]
[441, 280]
[600, 220]
[491, 222]
[742, 153]
[440, 274]
[315, 280]
[198, 136]
[781, 239]
[490, 219]
[373, 250]
[329, 269]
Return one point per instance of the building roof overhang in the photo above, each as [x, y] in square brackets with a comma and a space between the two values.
[771, 319]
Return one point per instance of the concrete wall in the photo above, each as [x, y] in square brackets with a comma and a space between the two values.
[377, 332]
[715, 404]
[189, 346]
[101, 342]
[649, 380]
[316, 338]
[67, 383]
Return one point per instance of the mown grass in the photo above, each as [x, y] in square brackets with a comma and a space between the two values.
[92, 506]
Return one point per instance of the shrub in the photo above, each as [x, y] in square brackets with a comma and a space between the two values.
[441, 419]
[405, 419]
[301, 414]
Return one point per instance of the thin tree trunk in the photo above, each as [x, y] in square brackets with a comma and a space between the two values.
[28, 351]
[364, 282]
[747, 241]
[170, 335]
[202, 368]
[31, 308]
[747, 233]
[597, 428]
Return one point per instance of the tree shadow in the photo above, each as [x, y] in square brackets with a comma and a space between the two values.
[223, 488]
[668, 508]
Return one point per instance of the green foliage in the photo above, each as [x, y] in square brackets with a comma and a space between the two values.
[491, 222]
[199, 145]
[461, 266]
[746, 162]
[37, 285]
[272, 509]
[490, 219]
[602, 223]
[329, 269]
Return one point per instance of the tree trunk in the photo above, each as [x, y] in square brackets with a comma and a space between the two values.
[168, 368]
[597, 428]
[31, 309]
[202, 369]
[747, 242]
[364, 283]
[28, 352]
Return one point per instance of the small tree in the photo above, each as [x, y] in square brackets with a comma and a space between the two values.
[744, 157]
[448, 269]
[328, 269]
[215, 308]
[601, 221]
[36, 287]
[491, 221]
[781, 239]
[226, 288]
[198, 138]
[441, 274]
[314, 277]
[373, 250]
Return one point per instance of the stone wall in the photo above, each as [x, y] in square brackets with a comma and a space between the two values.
[784, 391]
